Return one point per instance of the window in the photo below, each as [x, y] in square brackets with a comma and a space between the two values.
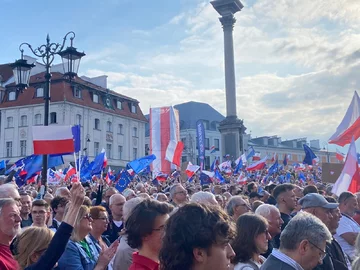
[96, 148]
[183, 159]
[120, 150]
[217, 144]
[108, 151]
[23, 148]
[38, 119]
[121, 129]
[95, 98]
[207, 162]
[134, 153]
[78, 120]
[132, 107]
[97, 124]
[39, 92]
[119, 105]
[134, 131]
[77, 92]
[12, 95]
[10, 122]
[53, 118]
[300, 158]
[23, 121]
[8, 149]
[207, 143]
[184, 142]
[108, 126]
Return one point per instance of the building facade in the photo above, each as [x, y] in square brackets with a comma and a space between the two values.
[108, 120]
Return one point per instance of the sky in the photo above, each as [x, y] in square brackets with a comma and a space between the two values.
[297, 61]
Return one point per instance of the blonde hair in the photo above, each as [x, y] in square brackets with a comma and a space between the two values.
[82, 212]
[32, 240]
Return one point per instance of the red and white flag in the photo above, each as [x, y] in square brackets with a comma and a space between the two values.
[259, 165]
[256, 156]
[52, 140]
[350, 125]
[174, 152]
[349, 179]
[274, 157]
[164, 127]
[108, 176]
[340, 156]
[70, 172]
[191, 169]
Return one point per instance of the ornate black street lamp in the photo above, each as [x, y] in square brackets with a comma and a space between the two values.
[71, 61]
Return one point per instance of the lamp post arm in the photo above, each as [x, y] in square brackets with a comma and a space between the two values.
[64, 40]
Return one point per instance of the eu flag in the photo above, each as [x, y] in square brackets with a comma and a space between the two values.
[140, 164]
[124, 181]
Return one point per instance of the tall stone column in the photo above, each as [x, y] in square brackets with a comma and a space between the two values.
[232, 129]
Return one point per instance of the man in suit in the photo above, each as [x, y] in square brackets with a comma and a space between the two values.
[302, 245]
[58, 207]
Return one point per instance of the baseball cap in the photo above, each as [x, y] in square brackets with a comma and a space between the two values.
[316, 200]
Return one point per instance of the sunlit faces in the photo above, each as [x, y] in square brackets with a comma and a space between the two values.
[10, 220]
[154, 240]
[261, 241]
[25, 204]
[101, 223]
[39, 215]
[217, 257]
[275, 222]
[86, 223]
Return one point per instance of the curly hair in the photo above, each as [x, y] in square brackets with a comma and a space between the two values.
[141, 221]
[193, 226]
[248, 227]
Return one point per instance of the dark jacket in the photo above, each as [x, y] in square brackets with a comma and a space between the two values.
[113, 231]
[273, 263]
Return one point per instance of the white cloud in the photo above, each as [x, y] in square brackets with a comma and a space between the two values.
[297, 65]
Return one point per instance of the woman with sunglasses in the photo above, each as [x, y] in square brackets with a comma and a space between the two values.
[81, 252]
[38, 247]
[251, 241]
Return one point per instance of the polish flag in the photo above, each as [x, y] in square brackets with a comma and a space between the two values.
[274, 158]
[162, 177]
[108, 176]
[70, 172]
[350, 125]
[191, 169]
[259, 165]
[256, 156]
[349, 179]
[242, 179]
[105, 158]
[174, 152]
[339, 156]
[52, 140]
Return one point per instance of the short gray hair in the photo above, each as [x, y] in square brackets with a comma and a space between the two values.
[303, 226]
[59, 190]
[265, 210]
[5, 202]
[129, 206]
[203, 197]
[234, 201]
[7, 188]
[173, 190]
[112, 198]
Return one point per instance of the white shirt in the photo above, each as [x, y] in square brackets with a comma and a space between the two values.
[347, 224]
[118, 223]
[247, 266]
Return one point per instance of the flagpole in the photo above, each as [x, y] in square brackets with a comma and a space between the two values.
[75, 164]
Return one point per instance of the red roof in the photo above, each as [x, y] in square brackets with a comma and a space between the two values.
[5, 73]
[61, 90]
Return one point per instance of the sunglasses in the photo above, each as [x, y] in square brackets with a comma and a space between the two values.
[87, 216]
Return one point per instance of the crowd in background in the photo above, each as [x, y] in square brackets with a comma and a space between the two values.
[287, 220]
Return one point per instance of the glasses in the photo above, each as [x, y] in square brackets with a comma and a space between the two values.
[87, 216]
[103, 218]
[323, 253]
[34, 213]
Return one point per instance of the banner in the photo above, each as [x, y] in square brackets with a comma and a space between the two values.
[200, 133]
[164, 127]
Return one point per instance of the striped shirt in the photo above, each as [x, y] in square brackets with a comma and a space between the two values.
[286, 259]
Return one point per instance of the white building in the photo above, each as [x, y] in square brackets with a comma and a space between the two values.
[108, 119]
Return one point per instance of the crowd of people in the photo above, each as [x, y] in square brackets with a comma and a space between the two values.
[266, 224]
